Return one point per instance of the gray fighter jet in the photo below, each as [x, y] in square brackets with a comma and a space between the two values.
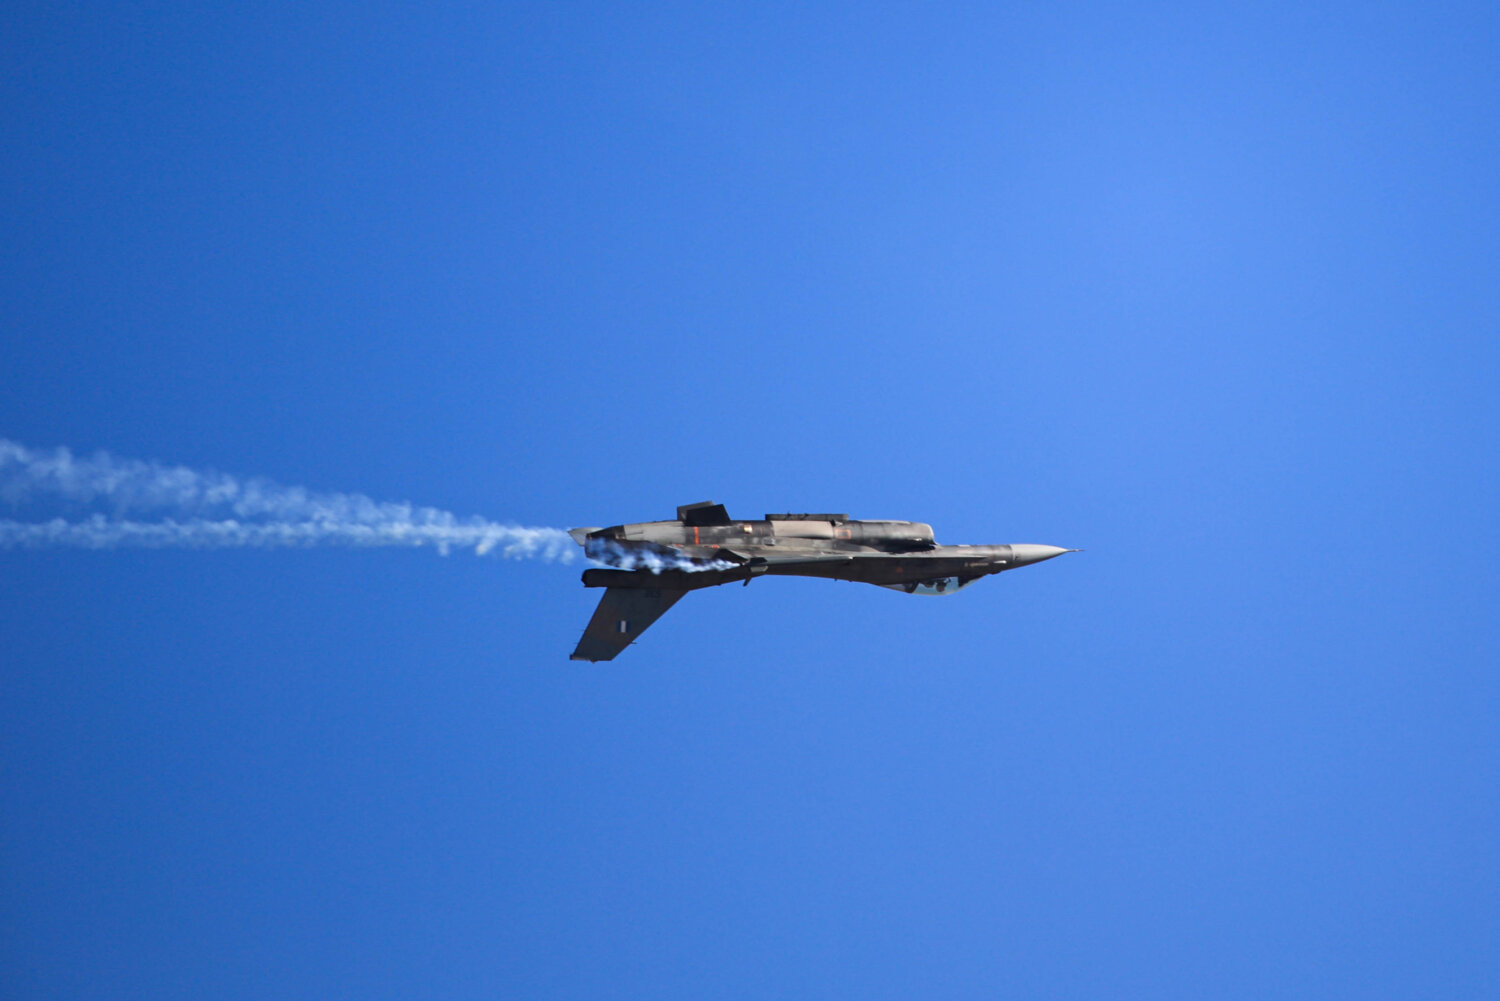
[653, 564]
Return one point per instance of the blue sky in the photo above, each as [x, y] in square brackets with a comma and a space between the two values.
[1207, 291]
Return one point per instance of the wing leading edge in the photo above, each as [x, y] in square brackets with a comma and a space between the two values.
[623, 614]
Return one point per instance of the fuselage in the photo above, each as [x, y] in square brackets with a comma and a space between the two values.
[897, 554]
[824, 533]
[646, 567]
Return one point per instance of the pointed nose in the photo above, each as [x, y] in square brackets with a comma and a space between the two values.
[1025, 552]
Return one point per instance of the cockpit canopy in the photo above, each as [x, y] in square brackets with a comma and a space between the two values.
[836, 519]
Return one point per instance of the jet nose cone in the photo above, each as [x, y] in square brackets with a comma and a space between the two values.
[1025, 552]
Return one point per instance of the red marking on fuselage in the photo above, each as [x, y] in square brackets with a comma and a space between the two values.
[695, 535]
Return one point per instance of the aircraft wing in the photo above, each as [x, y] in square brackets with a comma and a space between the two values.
[623, 614]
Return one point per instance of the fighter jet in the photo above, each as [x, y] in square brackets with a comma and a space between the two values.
[649, 566]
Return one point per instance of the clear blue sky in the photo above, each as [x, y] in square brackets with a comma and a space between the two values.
[1211, 291]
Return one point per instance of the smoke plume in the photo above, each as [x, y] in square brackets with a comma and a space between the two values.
[648, 556]
[111, 502]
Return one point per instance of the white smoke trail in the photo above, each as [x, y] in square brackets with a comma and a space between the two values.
[648, 556]
[214, 511]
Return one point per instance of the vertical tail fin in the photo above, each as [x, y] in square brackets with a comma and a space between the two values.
[623, 614]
